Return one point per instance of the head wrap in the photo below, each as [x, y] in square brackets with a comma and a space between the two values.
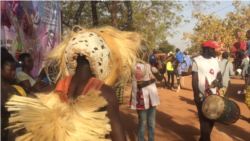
[170, 53]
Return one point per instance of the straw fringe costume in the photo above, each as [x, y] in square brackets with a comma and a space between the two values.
[112, 55]
[247, 99]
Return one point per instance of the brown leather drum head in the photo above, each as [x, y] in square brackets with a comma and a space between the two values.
[213, 107]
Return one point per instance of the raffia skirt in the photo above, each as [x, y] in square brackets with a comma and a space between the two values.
[247, 99]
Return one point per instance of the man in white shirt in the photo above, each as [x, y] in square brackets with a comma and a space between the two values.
[205, 72]
[226, 68]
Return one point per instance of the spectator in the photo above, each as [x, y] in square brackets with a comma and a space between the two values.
[152, 59]
[3, 49]
[8, 67]
[248, 43]
[244, 64]
[246, 89]
[25, 79]
[226, 68]
[238, 49]
[144, 99]
[170, 71]
[180, 59]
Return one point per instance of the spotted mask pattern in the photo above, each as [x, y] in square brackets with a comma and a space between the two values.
[94, 48]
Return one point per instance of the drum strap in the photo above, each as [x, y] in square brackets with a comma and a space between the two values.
[225, 68]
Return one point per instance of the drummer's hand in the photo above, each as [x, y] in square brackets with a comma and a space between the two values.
[139, 85]
[216, 83]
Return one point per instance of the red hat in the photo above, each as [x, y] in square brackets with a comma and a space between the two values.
[210, 44]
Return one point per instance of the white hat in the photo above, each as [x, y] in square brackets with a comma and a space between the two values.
[170, 53]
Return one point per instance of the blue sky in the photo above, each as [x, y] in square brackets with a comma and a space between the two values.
[189, 27]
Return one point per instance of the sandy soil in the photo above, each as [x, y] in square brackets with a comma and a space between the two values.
[176, 117]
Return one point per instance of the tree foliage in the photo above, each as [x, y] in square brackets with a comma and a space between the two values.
[154, 20]
[166, 47]
[207, 25]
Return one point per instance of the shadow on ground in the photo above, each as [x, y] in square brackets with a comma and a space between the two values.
[189, 101]
[245, 119]
[164, 121]
[186, 132]
[233, 92]
[240, 135]
[130, 126]
[183, 88]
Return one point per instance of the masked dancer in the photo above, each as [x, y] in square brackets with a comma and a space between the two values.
[84, 105]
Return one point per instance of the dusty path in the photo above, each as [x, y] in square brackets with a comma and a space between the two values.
[176, 117]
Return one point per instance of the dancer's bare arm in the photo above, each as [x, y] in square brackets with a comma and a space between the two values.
[195, 82]
[195, 86]
[117, 133]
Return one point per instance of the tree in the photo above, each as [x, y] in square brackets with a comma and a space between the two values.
[207, 25]
[94, 13]
[154, 20]
[193, 50]
[165, 47]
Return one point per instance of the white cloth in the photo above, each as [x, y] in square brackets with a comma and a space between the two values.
[22, 76]
[149, 93]
[206, 68]
[226, 71]
[239, 71]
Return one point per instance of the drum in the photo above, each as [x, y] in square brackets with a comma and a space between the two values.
[220, 109]
[156, 74]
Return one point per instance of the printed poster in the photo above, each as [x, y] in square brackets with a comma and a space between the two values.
[31, 27]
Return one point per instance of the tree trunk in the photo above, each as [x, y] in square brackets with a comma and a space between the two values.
[94, 13]
[113, 13]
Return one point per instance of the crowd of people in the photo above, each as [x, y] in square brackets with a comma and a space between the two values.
[212, 68]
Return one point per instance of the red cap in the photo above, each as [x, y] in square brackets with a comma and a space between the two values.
[210, 44]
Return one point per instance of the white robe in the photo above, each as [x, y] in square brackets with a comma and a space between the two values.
[149, 91]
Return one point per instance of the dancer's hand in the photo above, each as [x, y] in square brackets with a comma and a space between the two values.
[38, 85]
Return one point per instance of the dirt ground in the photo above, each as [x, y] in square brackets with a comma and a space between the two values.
[176, 117]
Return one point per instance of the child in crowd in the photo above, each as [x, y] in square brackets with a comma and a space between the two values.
[8, 67]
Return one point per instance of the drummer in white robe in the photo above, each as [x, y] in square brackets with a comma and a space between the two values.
[205, 73]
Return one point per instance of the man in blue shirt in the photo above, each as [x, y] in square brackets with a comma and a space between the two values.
[180, 59]
[152, 58]
[179, 55]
